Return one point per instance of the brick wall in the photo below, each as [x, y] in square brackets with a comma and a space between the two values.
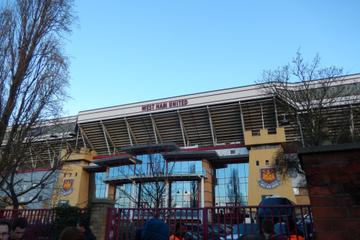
[333, 177]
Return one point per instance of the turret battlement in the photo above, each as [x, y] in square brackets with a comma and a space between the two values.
[265, 136]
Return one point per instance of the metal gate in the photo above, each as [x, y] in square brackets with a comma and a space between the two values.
[221, 223]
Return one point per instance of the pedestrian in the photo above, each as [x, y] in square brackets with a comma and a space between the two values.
[179, 232]
[4, 230]
[83, 226]
[138, 234]
[155, 229]
[19, 229]
[294, 234]
[71, 233]
[253, 236]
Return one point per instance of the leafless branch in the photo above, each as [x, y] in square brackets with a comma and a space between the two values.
[34, 77]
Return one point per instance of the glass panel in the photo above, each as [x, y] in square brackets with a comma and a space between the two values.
[184, 194]
[185, 167]
[152, 164]
[100, 186]
[126, 195]
[153, 194]
[232, 185]
[122, 171]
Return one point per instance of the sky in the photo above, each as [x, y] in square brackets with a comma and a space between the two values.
[126, 51]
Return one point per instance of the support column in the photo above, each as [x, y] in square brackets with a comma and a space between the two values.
[167, 194]
[207, 181]
[99, 210]
[134, 204]
[111, 192]
[202, 186]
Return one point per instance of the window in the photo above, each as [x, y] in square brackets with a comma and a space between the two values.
[100, 191]
[121, 171]
[63, 203]
[124, 195]
[296, 191]
[151, 164]
[185, 167]
[185, 194]
[257, 163]
[267, 162]
[232, 185]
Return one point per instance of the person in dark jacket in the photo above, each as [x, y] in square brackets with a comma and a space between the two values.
[71, 233]
[4, 230]
[155, 229]
[19, 229]
[83, 226]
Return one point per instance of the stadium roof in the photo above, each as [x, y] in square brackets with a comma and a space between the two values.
[204, 119]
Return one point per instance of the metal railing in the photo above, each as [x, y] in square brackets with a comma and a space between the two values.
[33, 216]
[41, 222]
[220, 223]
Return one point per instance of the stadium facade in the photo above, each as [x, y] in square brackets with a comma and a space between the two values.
[215, 148]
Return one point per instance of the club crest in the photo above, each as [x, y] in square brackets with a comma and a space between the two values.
[67, 187]
[268, 178]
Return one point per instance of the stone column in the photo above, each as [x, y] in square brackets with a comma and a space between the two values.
[98, 221]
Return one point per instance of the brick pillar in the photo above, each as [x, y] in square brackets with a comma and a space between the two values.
[99, 216]
[333, 178]
[207, 185]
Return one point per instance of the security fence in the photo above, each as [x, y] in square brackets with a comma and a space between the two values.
[221, 223]
[45, 223]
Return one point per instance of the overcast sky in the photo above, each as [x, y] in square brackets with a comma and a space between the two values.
[125, 51]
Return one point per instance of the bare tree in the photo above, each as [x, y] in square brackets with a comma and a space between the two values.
[311, 94]
[319, 100]
[147, 193]
[154, 192]
[33, 79]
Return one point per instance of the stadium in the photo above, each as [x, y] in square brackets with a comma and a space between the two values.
[207, 149]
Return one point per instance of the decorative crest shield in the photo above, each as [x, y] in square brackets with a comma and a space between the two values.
[67, 187]
[268, 178]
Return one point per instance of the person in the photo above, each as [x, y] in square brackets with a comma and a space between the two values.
[138, 234]
[252, 236]
[267, 228]
[71, 233]
[155, 229]
[294, 234]
[179, 232]
[18, 229]
[4, 230]
[83, 226]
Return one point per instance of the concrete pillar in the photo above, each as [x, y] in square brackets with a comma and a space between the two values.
[202, 187]
[98, 219]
